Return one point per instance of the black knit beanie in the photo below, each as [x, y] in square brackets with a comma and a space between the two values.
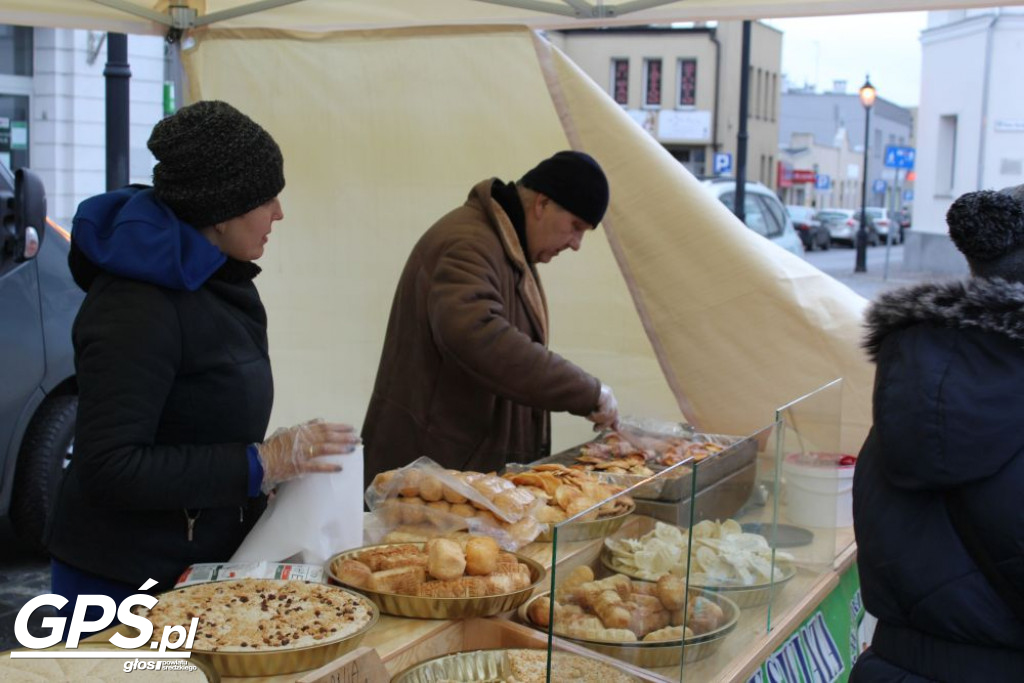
[575, 181]
[987, 225]
[214, 163]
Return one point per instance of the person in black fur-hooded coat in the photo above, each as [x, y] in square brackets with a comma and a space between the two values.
[948, 408]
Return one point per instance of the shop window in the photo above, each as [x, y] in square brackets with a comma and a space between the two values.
[945, 175]
[687, 83]
[15, 50]
[14, 131]
[620, 81]
[652, 83]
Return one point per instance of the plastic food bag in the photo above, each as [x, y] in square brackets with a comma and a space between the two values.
[422, 500]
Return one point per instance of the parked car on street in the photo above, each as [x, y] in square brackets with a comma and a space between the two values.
[878, 218]
[38, 395]
[812, 233]
[765, 213]
[843, 225]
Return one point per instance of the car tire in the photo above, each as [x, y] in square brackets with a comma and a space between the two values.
[48, 442]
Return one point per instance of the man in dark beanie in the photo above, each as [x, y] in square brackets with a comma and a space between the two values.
[465, 376]
[937, 488]
[172, 462]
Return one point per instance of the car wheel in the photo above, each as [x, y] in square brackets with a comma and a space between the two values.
[45, 452]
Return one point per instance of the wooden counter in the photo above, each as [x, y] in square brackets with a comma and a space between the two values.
[402, 642]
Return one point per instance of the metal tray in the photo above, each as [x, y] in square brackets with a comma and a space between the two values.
[440, 608]
[656, 654]
[493, 665]
[743, 596]
[585, 531]
[740, 453]
[287, 660]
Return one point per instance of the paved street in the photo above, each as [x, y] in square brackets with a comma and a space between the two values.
[23, 576]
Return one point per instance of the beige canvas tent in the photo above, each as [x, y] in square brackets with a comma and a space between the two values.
[389, 111]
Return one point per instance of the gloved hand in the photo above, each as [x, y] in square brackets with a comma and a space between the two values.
[606, 415]
[291, 452]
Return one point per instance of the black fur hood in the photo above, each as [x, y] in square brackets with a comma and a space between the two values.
[992, 305]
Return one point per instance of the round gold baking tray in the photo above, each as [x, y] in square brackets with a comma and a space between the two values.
[743, 596]
[419, 607]
[586, 531]
[288, 660]
[27, 667]
[493, 665]
[659, 653]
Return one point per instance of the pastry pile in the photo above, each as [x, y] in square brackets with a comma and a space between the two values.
[568, 492]
[721, 555]
[620, 610]
[616, 452]
[421, 503]
[441, 568]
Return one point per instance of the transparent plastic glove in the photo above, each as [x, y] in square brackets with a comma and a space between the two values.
[606, 415]
[296, 450]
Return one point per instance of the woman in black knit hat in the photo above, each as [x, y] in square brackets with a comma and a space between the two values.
[172, 465]
[937, 489]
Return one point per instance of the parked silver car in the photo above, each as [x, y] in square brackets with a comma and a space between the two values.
[765, 213]
[843, 225]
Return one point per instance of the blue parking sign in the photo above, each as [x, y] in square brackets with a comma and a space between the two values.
[878, 187]
[823, 182]
[899, 157]
[722, 163]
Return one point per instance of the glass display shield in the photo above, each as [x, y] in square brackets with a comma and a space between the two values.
[660, 577]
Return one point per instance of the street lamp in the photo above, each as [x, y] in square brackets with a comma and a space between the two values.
[867, 98]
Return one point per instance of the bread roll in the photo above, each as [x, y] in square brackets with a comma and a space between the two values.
[450, 494]
[402, 580]
[462, 510]
[353, 572]
[412, 510]
[410, 483]
[481, 555]
[445, 560]
[430, 488]
[671, 590]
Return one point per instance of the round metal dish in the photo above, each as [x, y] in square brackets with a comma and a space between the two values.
[205, 670]
[440, 608]
[743, 596]
[288, 660]
[586, 531]
[661, 653]
[493, 665]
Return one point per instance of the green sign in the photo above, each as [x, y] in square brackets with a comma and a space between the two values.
[826, 644]
[19, 134]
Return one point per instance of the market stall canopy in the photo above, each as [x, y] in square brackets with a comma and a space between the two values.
[145, 16]
[673, 302]
[677, 305]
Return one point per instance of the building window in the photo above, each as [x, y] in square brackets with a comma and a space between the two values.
[687, 83]
[652, 82]
[15, 50]
[877, 142]
[775, 93]
[945, 175]
[620, 81]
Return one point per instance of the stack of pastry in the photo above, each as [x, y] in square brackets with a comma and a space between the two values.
[618, 609]
[420, 504]
[442, 568]
[567, 492]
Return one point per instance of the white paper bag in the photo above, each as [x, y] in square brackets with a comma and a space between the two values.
[311, 518]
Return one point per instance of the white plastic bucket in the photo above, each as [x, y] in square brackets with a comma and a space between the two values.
[819, 490]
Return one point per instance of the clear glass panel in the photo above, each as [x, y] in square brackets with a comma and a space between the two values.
[641, 577]
[815, 477]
